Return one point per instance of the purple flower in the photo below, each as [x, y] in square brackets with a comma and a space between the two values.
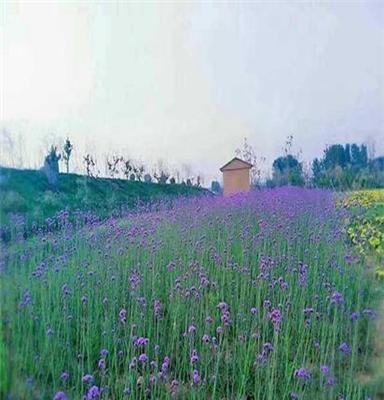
[219, 330]
[223, 306]
[66, 290]
[324, 369]
[60, 396]
[165, 365]
[93, 393]
[267, 347]
[195, 377]
[371, 314]
[253, 310]
[267, 304]
[123, 315]
[133, 363]
[337, 298]
[191, 329]
[209, 320]
[263, 356]
[174, 386]
[153, 364]
[303, 274]
[101, 364]
[126, 392]
[355, 316]
[294, 396]
[157, 308]
[26, 299]
[84, 299]
[331, 381]
[226, 318]
[104, 353]
[143, 358]
[194, 357]
[275, 317]
[141, 341]
[345, 349]
[87, 378]
[64, 376]
[303, 374]
[206, 338]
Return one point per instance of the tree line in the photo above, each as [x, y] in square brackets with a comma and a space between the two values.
[116, 166]
[341, 167]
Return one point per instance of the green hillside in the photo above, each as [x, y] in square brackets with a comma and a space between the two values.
[27, 192]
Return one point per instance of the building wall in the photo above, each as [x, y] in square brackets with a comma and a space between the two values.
[235, 181]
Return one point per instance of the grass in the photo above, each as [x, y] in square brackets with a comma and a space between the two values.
[366, 231]
[28, 194]
[269, 278]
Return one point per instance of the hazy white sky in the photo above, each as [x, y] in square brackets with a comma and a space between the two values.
[186, 81]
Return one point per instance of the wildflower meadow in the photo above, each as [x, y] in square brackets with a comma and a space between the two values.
[256, 296]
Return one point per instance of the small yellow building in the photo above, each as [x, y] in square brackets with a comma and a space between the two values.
[236, 176]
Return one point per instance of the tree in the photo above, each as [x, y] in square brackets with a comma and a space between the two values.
[215, 187]
[113, 165]
[287, 170]
[90, 164]
[198, 181]
[335, 155]
[162, 177]
[345, 167]
[248, 154]
[162, 172]
[316, 171]
[377, 164]
[67, 151]
[51, 165]
[147, 178]
[139, 171]
[127, 168]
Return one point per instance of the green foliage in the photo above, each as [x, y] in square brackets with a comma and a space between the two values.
[67, 151]
[51, 166]
[12, 201]
[215, 187]
[347, 167]
[28, 192]
[287, 170]
[60, 320]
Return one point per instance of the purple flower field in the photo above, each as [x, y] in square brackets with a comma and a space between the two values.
[259, 296]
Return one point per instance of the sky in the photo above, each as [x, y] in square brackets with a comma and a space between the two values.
[185, 82]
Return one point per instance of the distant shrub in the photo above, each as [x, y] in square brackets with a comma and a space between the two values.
[13, 202]
[51, 166]
[147, 178]
[215, 187]
[162, 178]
